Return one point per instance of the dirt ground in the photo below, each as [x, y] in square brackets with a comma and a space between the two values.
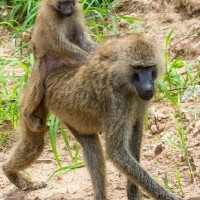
[158, 157]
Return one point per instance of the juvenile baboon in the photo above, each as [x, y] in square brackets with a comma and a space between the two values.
[109, 95]
[58, 39]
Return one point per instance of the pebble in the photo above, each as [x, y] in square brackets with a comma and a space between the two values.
[160, 171]
[158, 149]
[161, 127]
[190, 94]
[154, 129]
[26, 37]
[197, 128]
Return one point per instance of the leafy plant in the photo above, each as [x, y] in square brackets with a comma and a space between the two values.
[180, 142]
[104, 19]
[3, 138]
[20, 12]
[178, 178]
[173, 85]
[11, 85]
[96, 3]
[166, 182]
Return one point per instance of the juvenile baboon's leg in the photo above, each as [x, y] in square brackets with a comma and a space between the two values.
[93, 156]
[134, 147]
[33, 97]
[28, 148]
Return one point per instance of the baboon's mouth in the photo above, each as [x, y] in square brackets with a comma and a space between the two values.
[147, 97]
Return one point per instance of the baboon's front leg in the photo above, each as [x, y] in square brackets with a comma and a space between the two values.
[93, 156]
[123, 159]
[134, 147]
[26, 151]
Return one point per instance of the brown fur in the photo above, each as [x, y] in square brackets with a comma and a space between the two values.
[101, 97]
[57, 41]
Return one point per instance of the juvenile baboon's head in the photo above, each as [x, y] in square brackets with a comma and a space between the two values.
[64, 7]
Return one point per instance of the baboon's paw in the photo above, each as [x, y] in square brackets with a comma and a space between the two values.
[34, 186]
[25, 183]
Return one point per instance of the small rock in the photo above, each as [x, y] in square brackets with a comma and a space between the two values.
[196, 128]
[191, 93]
[197, 125]
[184, 168]
[5, 13]
[152, 112]
[151, 121]
[59, 178]
[154, 129]
[147, 154]
[123, 24]
[158, 115]
[152, 146]
[26, 37]
[158, 149]
[182, 158]
[161, 127]
[167, 161]
[160, 171]
[161, 116]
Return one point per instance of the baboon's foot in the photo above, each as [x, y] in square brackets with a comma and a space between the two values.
[25, 183]
[135, 196]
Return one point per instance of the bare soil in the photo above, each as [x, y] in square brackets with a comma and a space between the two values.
[158, 157]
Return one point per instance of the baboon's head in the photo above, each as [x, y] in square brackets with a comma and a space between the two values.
[64, 7]
[137, 65]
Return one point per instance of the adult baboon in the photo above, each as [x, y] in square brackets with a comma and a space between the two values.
[58, 40]
[110, 95]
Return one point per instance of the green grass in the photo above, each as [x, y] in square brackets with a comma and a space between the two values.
[172, 86]
[11, 85]
[4, 137]
[20, 12]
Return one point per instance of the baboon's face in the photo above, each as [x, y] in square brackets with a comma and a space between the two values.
[66, 7]
[137, 66]
[143, 80]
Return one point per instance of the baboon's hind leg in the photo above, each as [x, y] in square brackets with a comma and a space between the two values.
[135, 141]
[93, 156]
[26, 151]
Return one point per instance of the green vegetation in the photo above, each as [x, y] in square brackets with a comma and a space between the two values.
[172, 86]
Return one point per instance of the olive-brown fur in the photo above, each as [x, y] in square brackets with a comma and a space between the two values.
[101, 98]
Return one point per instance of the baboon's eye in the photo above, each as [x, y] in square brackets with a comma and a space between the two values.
[59, 7]
[136, 77]
[154, 74]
